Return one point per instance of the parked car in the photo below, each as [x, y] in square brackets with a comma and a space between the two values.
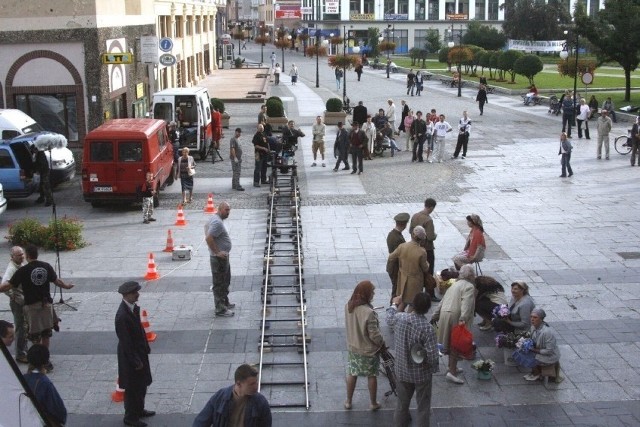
[17, 170]
[3, 201]
[62, 163]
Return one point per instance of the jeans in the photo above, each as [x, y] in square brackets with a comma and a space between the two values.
[567, 122]
[21, 334]
[260, 170]
[565, 162]
[418, 148]
[586, 128]
[401, 417]
[221, 278]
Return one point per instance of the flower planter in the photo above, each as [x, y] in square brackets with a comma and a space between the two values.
[332, 118]
[484, 375]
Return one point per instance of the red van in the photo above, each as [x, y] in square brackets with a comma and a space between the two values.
[117, 156]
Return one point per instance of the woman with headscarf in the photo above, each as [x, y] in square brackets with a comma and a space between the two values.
[363, 342]
[456, 308]
[520, 308]
[545, 346]
[475, 247]
[490, 294]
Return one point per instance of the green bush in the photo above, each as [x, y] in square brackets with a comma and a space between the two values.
[217, 103]
[275, 108]
[25, 231]
[334, 105]
[67, 232]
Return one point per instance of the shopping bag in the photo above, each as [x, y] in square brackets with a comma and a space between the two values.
[462, 341]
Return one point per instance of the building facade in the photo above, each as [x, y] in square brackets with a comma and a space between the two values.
[73, 65]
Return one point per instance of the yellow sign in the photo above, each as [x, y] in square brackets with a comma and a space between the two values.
[362, 17]
[117, 58]
[139, 90]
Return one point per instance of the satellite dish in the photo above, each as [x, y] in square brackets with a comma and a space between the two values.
[417, 353]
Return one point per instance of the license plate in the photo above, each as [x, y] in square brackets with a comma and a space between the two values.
[102, 189]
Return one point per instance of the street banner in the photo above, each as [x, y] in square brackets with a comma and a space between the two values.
[536, 45]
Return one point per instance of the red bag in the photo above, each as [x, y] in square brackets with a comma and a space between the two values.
[462, 341]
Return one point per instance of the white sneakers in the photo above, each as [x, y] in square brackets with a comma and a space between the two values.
[452, 378]
[532, 377]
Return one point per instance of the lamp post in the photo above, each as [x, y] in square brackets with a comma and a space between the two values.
[356, 49]
[451, 44]
[318, 36]
[388, 51]
[565, 55]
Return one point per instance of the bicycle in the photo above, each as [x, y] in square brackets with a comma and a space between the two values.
[623, 144]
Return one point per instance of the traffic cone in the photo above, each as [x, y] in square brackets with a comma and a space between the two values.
[118, 395]
[151, 336]
[210, 208]
[169, 247]
[180, 220]
[152, 273]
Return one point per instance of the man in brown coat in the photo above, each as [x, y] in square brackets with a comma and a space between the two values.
[413, 267]
[395, 239]
[424, 219]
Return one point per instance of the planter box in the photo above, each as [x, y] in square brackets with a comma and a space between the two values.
[331, 118]
[278, 123]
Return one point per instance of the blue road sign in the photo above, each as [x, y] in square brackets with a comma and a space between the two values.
[166, 44]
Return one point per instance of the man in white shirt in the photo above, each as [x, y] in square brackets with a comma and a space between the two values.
[391, 113]
[16, 302]
[440, 130]
[319, 130]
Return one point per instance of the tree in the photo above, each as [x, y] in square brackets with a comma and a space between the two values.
[506, 61]
[432, 41]
[475, 60]
[443, 56]
[485, 61]
[372, 41]
[493, 64]
[460, 55]
[535, 20]
[614, 33]
[484, 36]
[528, 66]
[416, 54]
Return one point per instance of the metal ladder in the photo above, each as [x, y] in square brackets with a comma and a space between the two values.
[283, 370]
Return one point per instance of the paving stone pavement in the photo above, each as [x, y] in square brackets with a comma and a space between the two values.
[574, 241]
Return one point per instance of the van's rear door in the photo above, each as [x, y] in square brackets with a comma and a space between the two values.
[101, 168]
[130, 169]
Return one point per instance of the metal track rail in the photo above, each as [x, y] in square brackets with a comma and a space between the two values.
[283, 367]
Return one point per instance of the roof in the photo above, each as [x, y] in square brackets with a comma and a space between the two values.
[181, 91]
[126, 128]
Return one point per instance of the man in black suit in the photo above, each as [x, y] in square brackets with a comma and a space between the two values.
[134, 372]
[360, 113]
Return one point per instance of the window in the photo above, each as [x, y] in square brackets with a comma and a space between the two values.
[162, 111]
[493, 10]
[198, 23]
[189, 29]
[389, 6]
[177, 31]
[420, 10]
[403, 6]
[129, 151]
[162, 138]
[101, 151]
[164, 22]
[434, 10]
[354, 6]
[55, 113]
[6, 162]
[480, 10]
[369, 6]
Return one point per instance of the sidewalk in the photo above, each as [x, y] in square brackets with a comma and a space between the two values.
[574, 241]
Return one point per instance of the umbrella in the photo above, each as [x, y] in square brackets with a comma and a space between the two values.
[388, 362]
[49, 141]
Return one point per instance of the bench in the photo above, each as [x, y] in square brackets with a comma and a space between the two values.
[490, 89]
[427, 76]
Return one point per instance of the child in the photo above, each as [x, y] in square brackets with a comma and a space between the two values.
[148, 191]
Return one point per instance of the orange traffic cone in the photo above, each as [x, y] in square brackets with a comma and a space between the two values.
[180, 220]
[118, 395]
[151, 336]
[169, 247]
[152, 273]
[210, 208]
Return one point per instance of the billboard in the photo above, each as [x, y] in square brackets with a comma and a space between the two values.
[287, 11]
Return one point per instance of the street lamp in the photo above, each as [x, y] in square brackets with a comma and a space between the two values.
[356, 49]
[262, 39]
[451, 44]
[565, 56]
[324, 43]
[389, 31]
